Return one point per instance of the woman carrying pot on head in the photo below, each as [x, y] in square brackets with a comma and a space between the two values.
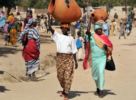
[66, 58]
[30, 40]
[101, 49]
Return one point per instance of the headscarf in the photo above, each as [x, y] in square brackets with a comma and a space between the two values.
[65, 26]
[97, 26]
[30, 22]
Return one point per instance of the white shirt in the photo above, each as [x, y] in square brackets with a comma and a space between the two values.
[65, 44]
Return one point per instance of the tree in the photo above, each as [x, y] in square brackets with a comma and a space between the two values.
[9, 4]
[34, 3]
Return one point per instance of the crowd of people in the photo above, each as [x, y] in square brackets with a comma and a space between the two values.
[86, 41]
[12, 25]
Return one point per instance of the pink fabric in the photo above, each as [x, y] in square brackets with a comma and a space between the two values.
[87, 53]
[104, 39]
[30, 51]
[6, 28]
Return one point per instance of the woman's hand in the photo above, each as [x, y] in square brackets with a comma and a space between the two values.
[51, 29]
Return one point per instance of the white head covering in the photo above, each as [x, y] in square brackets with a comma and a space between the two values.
[30, 22]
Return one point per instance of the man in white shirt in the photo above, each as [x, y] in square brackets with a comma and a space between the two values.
[66, 57]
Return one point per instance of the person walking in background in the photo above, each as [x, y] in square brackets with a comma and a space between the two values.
[19, 21]
[79, 45]
[101, 49]
[106, 28]
[116, 16]
[30, 40]
[6, 34]
[112, 28]
[129, 24]
[12, 29]
[29, 15]
[66, 56]
[2, 19]
[122, 29]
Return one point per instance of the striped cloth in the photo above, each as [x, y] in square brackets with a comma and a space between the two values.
[33, 64]
[32, 34]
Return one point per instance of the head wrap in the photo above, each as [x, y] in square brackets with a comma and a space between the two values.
[98, 26]
[31, 21]
[64, 26]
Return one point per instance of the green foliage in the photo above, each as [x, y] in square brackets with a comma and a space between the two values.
[106, 2]
[9, 3]
[113, 2]
[34, 3]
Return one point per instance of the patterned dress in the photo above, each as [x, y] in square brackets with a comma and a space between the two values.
[66, 47]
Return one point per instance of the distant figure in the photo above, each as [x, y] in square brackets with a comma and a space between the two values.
[12, 29]
[122, 29]
[79, 44]
[115, 16]
[19, 21]
[2, 19]
[113, 27]
[106, 28]
[29, 15]
[129, 24]
[6, 34]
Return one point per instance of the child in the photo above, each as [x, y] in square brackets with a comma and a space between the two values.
[79, 44]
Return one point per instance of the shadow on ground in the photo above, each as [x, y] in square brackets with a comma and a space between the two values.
[108, 92]
[3, 89]
[74, 94]
[130, 44]
[4, 51]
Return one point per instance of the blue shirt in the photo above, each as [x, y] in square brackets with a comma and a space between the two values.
[106, 29]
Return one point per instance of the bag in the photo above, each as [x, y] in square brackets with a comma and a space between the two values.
[78, 43]
[110, 65]
[25, 39]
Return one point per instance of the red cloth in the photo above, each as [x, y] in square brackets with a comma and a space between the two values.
[30, 51]
[104, 39]
[87, 53]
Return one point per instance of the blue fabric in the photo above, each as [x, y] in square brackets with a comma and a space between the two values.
[106, 29]
[78, 43]
[2, 21]
[78, 25]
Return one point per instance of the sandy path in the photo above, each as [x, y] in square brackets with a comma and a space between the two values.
[120, 85]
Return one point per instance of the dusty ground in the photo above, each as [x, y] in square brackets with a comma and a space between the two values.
[120, 84]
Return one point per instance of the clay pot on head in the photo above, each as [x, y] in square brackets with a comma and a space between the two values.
[99, 14]
[65, 11]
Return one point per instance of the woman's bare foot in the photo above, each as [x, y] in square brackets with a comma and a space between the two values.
[60, 93]
[65, 97]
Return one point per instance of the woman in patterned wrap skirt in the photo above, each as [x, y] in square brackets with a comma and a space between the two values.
[66, 57]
